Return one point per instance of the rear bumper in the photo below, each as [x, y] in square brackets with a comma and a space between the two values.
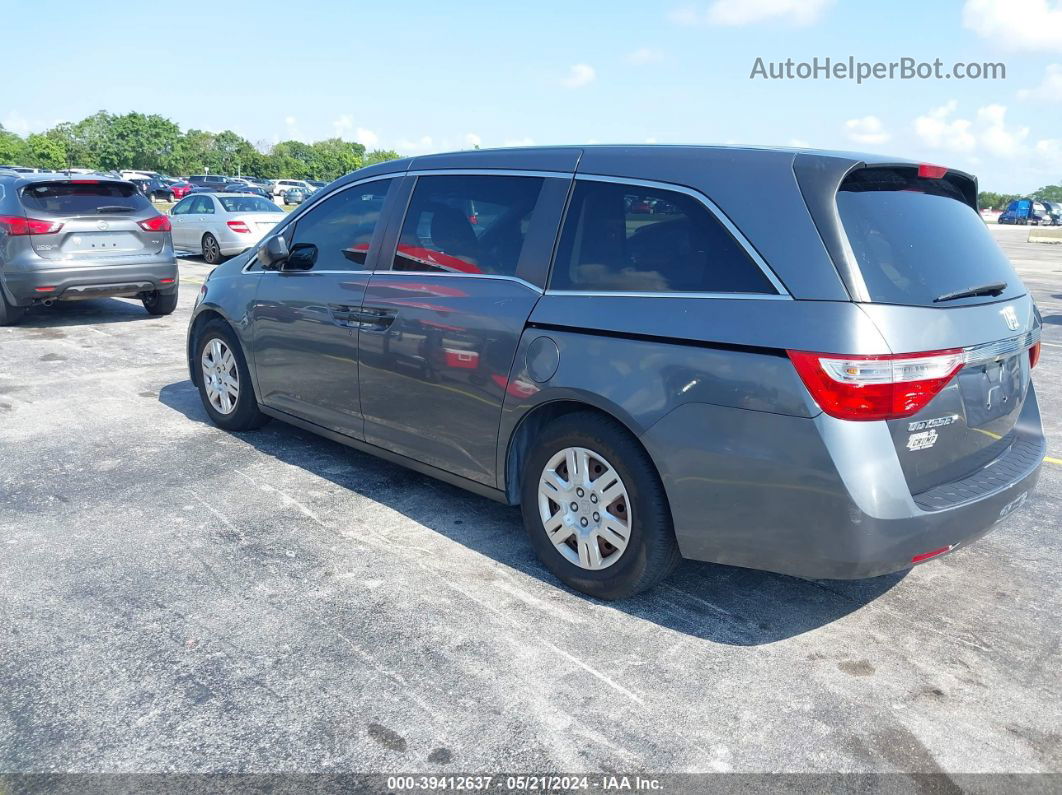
[233, 243]
[83, 280]
[815, 498]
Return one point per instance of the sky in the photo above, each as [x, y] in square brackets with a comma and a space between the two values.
[421, 76]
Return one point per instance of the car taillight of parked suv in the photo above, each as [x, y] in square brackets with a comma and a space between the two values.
[64, 239]
[812, 363]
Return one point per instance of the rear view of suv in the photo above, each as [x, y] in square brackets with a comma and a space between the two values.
[63, 239]
[812, 363]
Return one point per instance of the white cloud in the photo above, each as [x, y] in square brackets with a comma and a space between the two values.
[291, 121]
[366, 138]
[423, 145]
[988, 131]
[20, 125]
[644, 55]
[938, 131]
[994, 135]
[1016, 24]
[472, 141]
[746, 12]
[1050, 88]
[867, 130]
[1048, 153]
[343, 125]
[579, 75]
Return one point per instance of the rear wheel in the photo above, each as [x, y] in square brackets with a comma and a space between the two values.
[224, 380]
[211, 249]
[9, 313]
[595, 509]
[160, 303]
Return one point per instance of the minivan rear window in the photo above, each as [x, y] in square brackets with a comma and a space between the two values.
[630, 238]
[79, 198]
[917, 241]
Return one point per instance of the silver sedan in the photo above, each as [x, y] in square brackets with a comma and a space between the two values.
[219, 225]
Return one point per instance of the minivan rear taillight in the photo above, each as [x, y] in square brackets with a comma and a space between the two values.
[158, 223]
[876, 387]
[16, 225]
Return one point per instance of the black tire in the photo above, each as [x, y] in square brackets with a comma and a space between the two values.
[160, 303]
[211, 250]
[9, 313]
[651, 553]
[245, 415]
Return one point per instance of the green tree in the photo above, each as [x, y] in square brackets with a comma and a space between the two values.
[45, 152]
[12, 148]
[141, 142]
[334, 157]
[380, 156]
[1051, 193]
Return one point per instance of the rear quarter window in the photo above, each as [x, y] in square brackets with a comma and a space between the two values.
[916, 239]
[627, 238]
[76, 198]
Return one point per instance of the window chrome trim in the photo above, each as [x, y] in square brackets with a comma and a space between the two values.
[448, 275]
[488, 172]
[650, 294]
[716, 211]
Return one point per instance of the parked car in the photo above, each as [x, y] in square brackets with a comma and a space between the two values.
[246, 187]
[214, 182]
[824, 370]
[296, 195]
[281, 186]
[180, 189]
[316, 184]
[219, 225]
[154, 189]
[64, 239]
[1021, 211]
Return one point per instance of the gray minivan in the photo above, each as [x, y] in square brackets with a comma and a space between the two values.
[68, 238]
[808, 362]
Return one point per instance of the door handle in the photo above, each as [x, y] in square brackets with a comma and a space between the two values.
[374, 319]
[343, 315]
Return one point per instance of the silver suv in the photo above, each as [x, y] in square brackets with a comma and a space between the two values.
[68, 238]
[813, 363]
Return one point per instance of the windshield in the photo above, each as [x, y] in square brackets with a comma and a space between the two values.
[917, 239]
[77, 198]
[248, 204]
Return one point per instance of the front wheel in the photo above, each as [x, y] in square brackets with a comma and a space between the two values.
[224, 380]
[595, 509]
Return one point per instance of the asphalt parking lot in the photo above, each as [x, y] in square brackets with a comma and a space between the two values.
[175, 598]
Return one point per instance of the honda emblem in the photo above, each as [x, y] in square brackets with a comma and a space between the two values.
[1010, 317]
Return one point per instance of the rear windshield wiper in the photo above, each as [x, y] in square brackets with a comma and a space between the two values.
[993, 288]
[113, 208]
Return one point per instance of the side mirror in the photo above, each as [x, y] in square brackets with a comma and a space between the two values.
[303, 256]
[273, 253]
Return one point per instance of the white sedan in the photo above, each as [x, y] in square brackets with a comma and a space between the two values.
[219, 225]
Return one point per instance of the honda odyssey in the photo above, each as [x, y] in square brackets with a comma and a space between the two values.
[806, 362]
